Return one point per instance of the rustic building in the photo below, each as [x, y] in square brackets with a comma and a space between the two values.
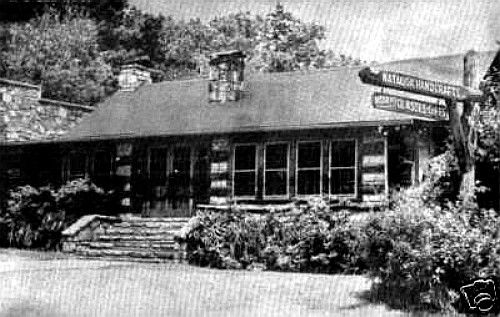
[250, 139]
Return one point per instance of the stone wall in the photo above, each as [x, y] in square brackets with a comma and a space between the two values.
[25, 116]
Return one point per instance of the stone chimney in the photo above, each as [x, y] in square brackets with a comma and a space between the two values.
[132, 76]
[471, 70]
[226, 76]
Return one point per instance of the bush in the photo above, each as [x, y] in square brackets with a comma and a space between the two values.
[422, 254]
[36, 217]
[311, 239]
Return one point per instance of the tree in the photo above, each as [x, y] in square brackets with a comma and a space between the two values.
[187, 45]
[61, 54]
[23, 11]
[285, 43]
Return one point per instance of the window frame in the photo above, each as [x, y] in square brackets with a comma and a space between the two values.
[286, 169]
[255, 170]
[298, 169]
[355, 167]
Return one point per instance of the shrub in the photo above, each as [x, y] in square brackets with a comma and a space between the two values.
[36, 217]
[422, 255]
[80, 197]
[310, 239]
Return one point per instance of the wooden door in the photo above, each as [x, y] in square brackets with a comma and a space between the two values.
[179, 175]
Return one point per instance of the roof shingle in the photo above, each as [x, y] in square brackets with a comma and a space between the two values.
[278, 101]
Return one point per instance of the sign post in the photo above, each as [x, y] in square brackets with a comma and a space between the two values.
[419, 86]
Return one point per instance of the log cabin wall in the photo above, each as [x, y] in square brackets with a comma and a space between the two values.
[374, 169]
[342, 165]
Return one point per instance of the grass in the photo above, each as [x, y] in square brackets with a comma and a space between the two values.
[55, 285]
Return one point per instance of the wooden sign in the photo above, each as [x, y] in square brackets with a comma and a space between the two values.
[410, 106]
[417, 85]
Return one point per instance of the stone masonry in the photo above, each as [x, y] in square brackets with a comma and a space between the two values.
[130, 238]
[25, 116]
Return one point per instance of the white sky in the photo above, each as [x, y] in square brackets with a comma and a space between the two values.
[380, 30]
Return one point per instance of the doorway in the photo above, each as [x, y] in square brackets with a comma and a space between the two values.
[178, 178]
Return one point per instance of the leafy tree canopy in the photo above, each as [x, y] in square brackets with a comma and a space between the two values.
[22, 10]
[61, 54]
[74, 49]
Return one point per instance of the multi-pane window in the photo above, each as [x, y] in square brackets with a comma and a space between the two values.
[276, 170]
[77, 165]
[245, 170]
[309, 168]
[343, 167]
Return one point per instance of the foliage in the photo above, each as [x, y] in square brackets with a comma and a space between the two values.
[285, 43]
[31, 218]
[302, 240]
[61, 54]
[187, 45]
[35, 217]
[129, 35]
[421, 254]
[74, 50]
[22, 11]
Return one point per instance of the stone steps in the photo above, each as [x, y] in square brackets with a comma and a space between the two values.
[117, 237]
[167, 231]
[154, 245]
[169, 255]
[141, 224]
[150, 239]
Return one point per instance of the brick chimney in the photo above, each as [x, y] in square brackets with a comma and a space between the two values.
[226, 76]
[132, 76]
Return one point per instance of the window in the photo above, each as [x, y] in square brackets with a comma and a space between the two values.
[276, 170]
[309, 168]
[343, 167]
[245, 170]
[102, 168]
[77, 165]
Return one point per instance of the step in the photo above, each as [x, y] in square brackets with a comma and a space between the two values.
[156, 219]
[125, 259]
[128, 253]
[141, 231]
[148, 224]
[158, 245]
[109, 237]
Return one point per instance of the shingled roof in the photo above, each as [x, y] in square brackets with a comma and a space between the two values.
[278, 101]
